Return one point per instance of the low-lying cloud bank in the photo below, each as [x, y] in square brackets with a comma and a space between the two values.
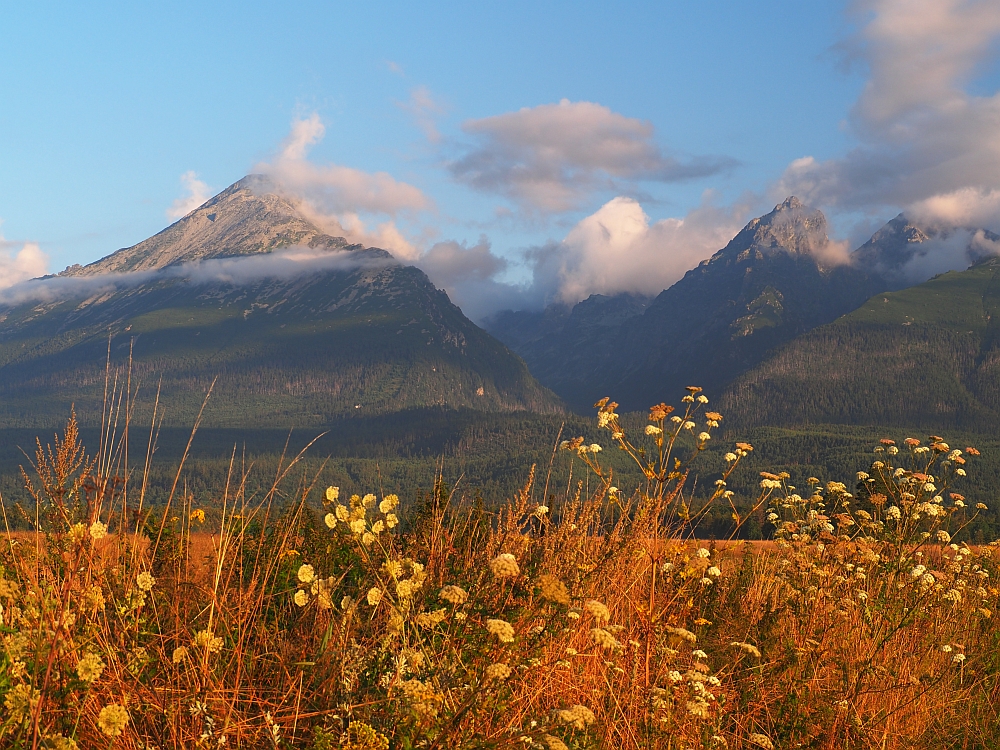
[236, 271]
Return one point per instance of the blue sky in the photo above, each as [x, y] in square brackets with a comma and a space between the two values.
[104, 107]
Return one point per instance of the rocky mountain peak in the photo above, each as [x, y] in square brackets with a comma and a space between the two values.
[792, 227]
[248, 217]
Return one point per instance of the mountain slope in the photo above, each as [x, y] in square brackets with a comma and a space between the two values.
[566, 348]
[928, 356]
[779, 277]
[295, 337]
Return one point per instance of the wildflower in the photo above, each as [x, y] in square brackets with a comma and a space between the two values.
[704, 553]
[699, 654]
[391, 521]
[946, 649]
[595, 448]
[21, 701]
[917, 570]
[553, 589]
[59, 742]
[378, 527]
[368, 500]
[374, 596]
[958, 658]
[980, 506]
[332, 494]
[703, 436]
[502, 629]
[206, 639]
[674, 676]
[929, 487]
[342, 513]
[698, 707]
[405, 589]
[98, 530]
[688, 425]
[197, 515]
[179, 655]
[89, 667]
[307, 574]
[454, 595]
[943, 536]
[541, 510]
[357, 526]
[599, 612]
[112, 719]
[960, 472]
[430, 619]
[761, 740]
[683, 634]
[714, 572]
[730, 457]
[702, 399]
[892, 450]
[579, 717]
[605, 640]
[573, 615]
[347, 603]
[145, 581]
[554, 743]
[953, 595]
[747, 647]
[330, 520]
[959, 503]
[653, 430]
[497, 672]
[504, 566]
[301, 598]
[893, 513]
[77, 532]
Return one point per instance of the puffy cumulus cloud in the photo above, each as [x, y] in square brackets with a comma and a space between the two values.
[616, 249]
[341, 199]
[926, 141]
[197, 193]
[20, 264]
[549, 158]
[966, 207]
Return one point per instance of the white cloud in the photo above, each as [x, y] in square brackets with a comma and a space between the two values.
[197, 194]
[22, 264]
[551, 157]
[926, 142]
[616, 249]
[287, 263]
[343, 200]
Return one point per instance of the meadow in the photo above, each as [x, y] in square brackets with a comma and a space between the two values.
[586, 612]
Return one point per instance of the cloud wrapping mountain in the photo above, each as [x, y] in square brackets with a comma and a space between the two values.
[238, 270]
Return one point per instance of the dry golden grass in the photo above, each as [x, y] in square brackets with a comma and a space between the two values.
[597, 622]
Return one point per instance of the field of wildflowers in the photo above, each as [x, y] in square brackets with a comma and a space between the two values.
[588, 616]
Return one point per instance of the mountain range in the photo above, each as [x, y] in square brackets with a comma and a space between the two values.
[298, 328]
[779, 284]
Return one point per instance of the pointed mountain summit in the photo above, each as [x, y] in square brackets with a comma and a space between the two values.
[791, 227]
[246, 218]
[295, 339]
